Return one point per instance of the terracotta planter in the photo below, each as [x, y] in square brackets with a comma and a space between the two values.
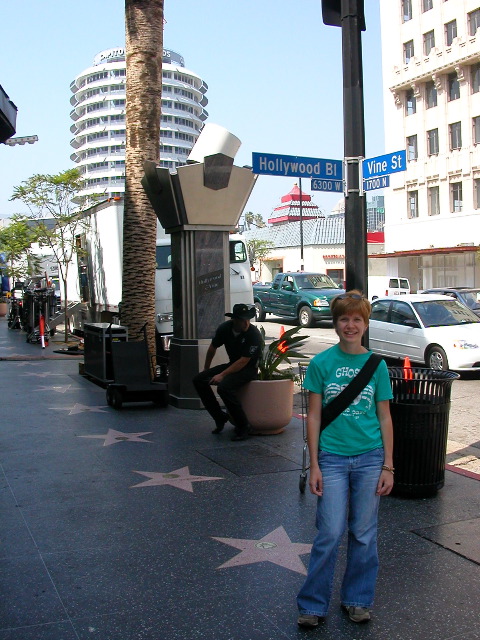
[268, 405]
[3, 309]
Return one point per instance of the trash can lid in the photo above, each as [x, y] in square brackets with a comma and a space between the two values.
[421, 373]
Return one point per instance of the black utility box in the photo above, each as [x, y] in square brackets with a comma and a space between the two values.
[420, 412]
[98, 338]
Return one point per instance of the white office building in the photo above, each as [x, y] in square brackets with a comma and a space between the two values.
[431, 75]
[99, 119]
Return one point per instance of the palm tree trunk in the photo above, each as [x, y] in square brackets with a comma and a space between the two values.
[144, 51]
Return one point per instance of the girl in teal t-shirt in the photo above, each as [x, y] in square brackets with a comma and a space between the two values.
[357, 429]
[351, 466]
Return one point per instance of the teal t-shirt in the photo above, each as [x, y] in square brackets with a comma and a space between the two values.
[357, 429]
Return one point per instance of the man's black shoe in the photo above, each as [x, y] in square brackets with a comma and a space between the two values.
[220, 423]
[242, 435]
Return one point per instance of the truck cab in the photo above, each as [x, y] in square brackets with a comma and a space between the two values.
[302, 295]
[240, 284]
[380, 286]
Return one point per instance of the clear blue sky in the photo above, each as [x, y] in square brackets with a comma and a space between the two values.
[273, 69]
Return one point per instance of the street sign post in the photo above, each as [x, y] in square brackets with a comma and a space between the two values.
[327, 185]
[272, 164]
[383, 165]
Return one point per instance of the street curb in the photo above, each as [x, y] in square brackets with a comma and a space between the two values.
[463, 472]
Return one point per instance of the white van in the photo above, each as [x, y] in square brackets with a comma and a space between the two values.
[380, 286]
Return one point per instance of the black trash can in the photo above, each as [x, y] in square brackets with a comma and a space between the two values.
[420, 411]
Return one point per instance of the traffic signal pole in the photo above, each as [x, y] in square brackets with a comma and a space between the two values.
[349, 15]
[356, 257]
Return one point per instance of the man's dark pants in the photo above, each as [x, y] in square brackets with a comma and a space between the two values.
[227, 390]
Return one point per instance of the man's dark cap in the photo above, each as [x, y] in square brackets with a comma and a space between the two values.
[242, 311]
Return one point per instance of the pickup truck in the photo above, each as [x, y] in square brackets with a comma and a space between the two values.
[301, 295]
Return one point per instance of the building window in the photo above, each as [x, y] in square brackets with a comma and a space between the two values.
[428, 42]
[456, 196]
[427, 5]
[433, 201]
[475, 77]
[432, 142]
[476, 130]
[453, 86]
[476, 193]
[431, 94]
[412, 150]
[413, 204]
[450, 32]
[408, 51]
[410, 103]
[473, 21]
[407, 10]
[455, 135]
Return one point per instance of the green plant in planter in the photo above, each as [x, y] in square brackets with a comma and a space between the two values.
[278, 352]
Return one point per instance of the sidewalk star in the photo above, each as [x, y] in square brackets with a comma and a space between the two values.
[82, 408]
[275, 547]
[114, 437]
[27, 363]
[58, 389]
[179, 478]
[42, 375]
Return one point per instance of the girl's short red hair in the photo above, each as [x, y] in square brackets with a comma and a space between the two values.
[348, 303]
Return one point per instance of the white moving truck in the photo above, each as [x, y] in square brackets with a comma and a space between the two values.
[95, 280]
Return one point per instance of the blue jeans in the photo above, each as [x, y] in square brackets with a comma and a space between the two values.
[349, 487]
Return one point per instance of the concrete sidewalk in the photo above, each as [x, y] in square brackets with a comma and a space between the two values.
[141, 525]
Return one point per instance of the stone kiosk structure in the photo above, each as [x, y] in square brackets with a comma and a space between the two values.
[199, 206]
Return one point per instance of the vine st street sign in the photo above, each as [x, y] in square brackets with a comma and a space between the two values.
[383, 165]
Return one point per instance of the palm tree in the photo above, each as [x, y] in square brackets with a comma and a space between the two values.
[144, 51]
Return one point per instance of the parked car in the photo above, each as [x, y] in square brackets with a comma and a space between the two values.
[469, 297]
[432, 330]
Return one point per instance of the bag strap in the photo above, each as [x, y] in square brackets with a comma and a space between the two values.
[351, 391]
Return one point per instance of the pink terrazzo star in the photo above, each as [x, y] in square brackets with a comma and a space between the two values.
[82, 408]
[114, 437]
[55, 389]
[179, 478]
[275, 547]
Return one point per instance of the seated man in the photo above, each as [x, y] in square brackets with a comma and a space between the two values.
[242, 342]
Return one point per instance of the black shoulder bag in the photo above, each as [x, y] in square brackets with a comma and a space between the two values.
[351, 391]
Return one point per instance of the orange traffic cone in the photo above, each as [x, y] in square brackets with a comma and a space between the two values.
[407, 369]
[282, 346]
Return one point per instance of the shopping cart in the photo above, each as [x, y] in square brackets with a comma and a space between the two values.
[302, 370]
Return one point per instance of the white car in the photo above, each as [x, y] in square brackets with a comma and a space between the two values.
[432, 330]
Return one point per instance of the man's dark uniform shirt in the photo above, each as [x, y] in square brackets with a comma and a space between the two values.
[246, 344]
